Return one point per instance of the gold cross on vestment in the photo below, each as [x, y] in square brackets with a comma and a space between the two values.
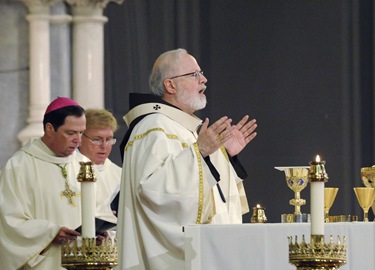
[68, 192]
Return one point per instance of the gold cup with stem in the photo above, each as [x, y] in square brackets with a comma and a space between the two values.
[296, 178]
[365, 197]
[368, 179]
[329, 197]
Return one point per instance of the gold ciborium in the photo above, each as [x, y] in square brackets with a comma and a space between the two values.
[296, 179]
[368, 179]
[329, 197]
[365, 197]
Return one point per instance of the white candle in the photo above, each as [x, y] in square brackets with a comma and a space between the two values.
[317, 182]
[88, 209]
[317, 208]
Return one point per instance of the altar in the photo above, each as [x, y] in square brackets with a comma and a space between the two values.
[258, 246]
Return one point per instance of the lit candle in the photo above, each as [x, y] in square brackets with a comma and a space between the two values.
[317, 177]
[87, 179]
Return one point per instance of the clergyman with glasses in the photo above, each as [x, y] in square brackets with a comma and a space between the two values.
[177, 169]
[96, 144]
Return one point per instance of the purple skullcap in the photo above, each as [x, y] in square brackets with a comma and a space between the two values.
[60, 102]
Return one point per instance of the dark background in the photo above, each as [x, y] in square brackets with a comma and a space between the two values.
[303, 69]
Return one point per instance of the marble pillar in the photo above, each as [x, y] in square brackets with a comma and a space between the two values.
[88, 51]
[39, 75]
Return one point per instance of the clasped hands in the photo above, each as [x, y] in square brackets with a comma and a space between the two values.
[222, 132]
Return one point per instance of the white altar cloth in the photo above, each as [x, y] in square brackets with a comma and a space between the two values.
[266, 246]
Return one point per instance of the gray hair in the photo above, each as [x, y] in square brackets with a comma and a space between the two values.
[164, 67]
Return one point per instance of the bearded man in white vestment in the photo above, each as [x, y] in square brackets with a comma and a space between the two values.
[176, 169]
[39, 194]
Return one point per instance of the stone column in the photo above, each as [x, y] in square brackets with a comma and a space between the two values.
[88, 51]
[39, 48]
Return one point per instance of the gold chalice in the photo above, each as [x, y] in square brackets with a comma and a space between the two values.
[329, 197]
[368, 179]
[365, 197]
[368, 176]
[296, 179]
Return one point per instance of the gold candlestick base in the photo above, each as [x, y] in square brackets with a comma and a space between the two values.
[84, 254]
[317, 255]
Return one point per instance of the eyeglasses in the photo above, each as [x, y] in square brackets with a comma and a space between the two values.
[100, 141]
[196, 74]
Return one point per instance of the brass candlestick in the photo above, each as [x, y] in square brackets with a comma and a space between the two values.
[86, 172]
[85, 254]
[89, 253]
[317, 254]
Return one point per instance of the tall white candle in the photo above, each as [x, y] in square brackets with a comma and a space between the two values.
[88, 202]
[88, 209]
[317, 178]
[317, 208]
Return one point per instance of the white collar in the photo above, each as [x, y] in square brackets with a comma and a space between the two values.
[190, 122]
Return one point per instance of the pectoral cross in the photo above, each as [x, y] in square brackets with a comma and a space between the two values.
[68, 192]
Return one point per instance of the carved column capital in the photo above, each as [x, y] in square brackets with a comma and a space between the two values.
[92, 3]
[39, 6]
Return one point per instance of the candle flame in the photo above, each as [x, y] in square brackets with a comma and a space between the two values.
[317, 158]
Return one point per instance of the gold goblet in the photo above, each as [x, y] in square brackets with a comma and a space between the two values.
[296, 179]
[368, 176]
[365, 197]
[329, 197]
[368, 179]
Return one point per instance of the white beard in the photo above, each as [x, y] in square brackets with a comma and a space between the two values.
[193, 100]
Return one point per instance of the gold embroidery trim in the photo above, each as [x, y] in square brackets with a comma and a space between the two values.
[200, 199]
[222, 148]
[184, 145]
[143, 135]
